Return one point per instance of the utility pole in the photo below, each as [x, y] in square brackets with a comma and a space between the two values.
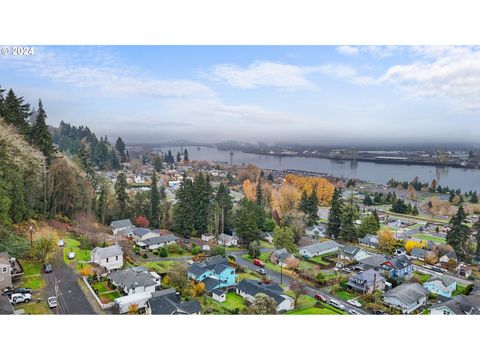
[281, 274]
[57, 297]
[31, 235]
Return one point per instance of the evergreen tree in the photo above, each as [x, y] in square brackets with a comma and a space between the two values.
[101, 208]
[15, 111]
[459, 233]
[4, 204]
[283, 237]
[334, 223]
[312, 207]
[348, 232]
[179, 157]
[245, 221]
[303, 205]
[415, 210]
[270, 177]
[183, 210]
[224, 202]
[154, 202]
[120, 146]
[477, 238]
[369, 225]
[157, 163]
[121, 195]
[367, 201]
[41, 137]
[375, 215]
[202, 201]
[185, 156]
[474, 198]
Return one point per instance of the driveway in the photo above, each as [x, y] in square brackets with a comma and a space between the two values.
[71, 298]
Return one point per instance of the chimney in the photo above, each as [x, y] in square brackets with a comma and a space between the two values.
[177, 297]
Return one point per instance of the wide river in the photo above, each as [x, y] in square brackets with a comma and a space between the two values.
[465, 179]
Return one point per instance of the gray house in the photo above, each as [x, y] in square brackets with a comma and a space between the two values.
[366, 282]
[369, 240]
[135, 280]
[169, 302]
[321, 248]
[158, 241]
[407, 297]
[120, 226]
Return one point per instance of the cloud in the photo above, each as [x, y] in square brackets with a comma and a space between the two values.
[376, 51]
[96, 69]
[347, 50]
[451, 74]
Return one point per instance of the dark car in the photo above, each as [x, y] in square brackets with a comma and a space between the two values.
[47, 268]
[378, 312]
[10, 291]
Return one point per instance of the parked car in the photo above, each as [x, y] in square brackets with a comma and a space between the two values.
[52, 302]
[354, 303]
[258, 263]
[320, 297]
[378, 312]
[10, 291]
[261, 271]
[336, 304]
[61, 242]
[346, 269]
[190, 262]
[20, 298]
[71, 255]
[353, 312]
[47, 268]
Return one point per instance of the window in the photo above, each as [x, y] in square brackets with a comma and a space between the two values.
[4, 269]
[116, 257]
[107, 260]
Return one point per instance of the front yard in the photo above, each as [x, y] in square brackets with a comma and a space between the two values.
[32, 277]
[82, 256]
[34, 308]
[234, 304]
[106, 292]
[427, 237]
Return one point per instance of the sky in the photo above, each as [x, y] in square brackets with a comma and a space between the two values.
[318, 95]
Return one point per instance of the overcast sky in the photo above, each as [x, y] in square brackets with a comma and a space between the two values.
[316, 94]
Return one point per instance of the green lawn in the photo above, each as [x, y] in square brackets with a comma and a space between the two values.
[266, 244]
[31, 267]
[101, 287]
[319, 260]
[249, 275]
[159, 266]
[461, 289]
[344, 295]
[312, 311]
[32, 277]
[264, 257]
[34, 308]
[80, 254]
[110, 296]
[233, 302]
[430, 237]
[422, 277]
[35, 282]
[414, 226]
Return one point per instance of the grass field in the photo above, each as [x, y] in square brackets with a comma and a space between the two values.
[233, 302]
[427, 237]
[344, 295]
[81, 255]
[266, 244]
[312, 311]
[159, 266]
[34, 308]
[32, 277]
[31, 268]
[461, 289]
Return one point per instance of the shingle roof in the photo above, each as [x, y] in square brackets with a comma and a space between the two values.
[165, 302]
[133, 277]
[114, 250]
[162, 239]
[350, 250]
[443, 280]
[252, 288]
[462, 305]
[417, 252]
[373, 261]
[121, 224]
[400, 262]
[281, 254]
[367, 276]
[196, 270]
[141, 231]
[321, 246]
[407, 293]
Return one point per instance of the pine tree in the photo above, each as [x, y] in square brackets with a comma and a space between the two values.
[415, 210]
[121, 195]
[154, 202]
[224, 201]
[474, 198]
[367, 201]
[335, 216]
[369, 225]
[459, 233]
[348, 232]
[179, 157]
[477, 238]
[202, 201]
[16, 112]
[185, 156]
[183, 211]
[120, 146]
[101, 208]
[312, 207]
[41, 136]
[375, 215]
[270, 177]
[303, 205]
[245, 222]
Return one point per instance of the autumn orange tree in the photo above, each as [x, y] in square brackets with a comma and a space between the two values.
[324, 187]
[249, 189]
[412, 244]
[386, 240]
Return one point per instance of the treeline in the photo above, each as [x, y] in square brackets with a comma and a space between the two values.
[82, 142]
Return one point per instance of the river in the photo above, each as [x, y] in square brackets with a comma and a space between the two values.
[465, 179]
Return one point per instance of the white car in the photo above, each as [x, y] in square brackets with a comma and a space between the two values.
[354, 303]
[353, 312]
[61, 242]
[20, 298]
[336, 304]
[52, 302]
[71, 255]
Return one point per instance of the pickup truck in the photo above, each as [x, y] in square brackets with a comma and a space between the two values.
[20, 298]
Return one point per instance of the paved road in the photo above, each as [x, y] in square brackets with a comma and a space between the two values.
[71, 298]
[311, 291]
[424, 270]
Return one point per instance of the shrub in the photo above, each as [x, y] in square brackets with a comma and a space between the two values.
[144, 255]
[163, 252]
[196, 250]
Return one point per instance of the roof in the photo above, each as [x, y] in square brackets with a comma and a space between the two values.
[350, 250]
[417, 252]
[196, 269]
[133, 277]
[5, 306]
[5, 258]
[225, 237]
[369, 239]
[109, 251]
[281, 254]
[210, 262]
[121, 224]
[252, 288]
[321, 246]
[399, 262]
[367, 276]
[462, 305]
[162, 239]
[443, 281]
[141, 231]
[407, 293]
[373, 261]
[218, 292]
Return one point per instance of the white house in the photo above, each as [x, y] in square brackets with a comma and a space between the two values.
[351, 253]
[140, 299]
[407, 297]
[321, 248]
[208, 237]
[121, 225]
[316, 231]
[135, 280]
[158, 241]
[111, 257]
[227, 240]
[247, 289]
[219, 295]
[141, 234]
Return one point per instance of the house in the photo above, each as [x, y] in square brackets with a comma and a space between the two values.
[321, 248]
[459, 305]
[227, 240]
[135, 280]
[158, 241]
[214, 272]
[366, 282]
[219, 295]
[418, 254]
[142, 234]
[6, 307]
[371, 262]
[140, 299]
[248, 288]
[280, 257]
[353, 253]
[443, 260]
[464, 270]
[441, 285]
[169, 302]
[369, 240]
[111, 257]
[316, 231]
[208, 237]
[267, 236]
[10, 269]
[398, 267]
[121, 225]
[407, 297]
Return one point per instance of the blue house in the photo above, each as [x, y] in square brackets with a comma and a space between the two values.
[441, 285]
[398, 267]
[214, 272]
